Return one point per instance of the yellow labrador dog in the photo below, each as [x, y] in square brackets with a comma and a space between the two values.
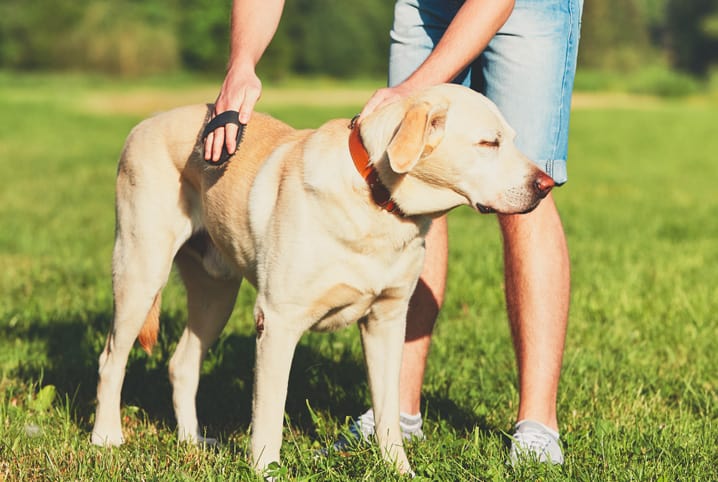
[327, 224]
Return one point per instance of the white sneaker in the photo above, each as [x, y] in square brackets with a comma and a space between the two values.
[362, 430]
[533, 441]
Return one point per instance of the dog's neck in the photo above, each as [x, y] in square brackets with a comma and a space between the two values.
[379, 192]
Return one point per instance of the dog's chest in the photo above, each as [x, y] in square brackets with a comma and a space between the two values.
[336, 315]
[353, 287]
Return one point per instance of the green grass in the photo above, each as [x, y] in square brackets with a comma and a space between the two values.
[638, 397]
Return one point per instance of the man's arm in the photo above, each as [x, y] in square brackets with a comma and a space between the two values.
[254, 23]
[468, 34]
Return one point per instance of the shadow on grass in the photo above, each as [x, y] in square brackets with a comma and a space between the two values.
[336, 385]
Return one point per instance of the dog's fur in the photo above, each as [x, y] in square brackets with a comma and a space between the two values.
[291, 214]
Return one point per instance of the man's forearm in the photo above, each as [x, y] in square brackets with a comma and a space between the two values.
[475, 24]
[254, 23]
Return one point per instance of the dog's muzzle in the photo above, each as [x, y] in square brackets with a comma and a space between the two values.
[541, 186]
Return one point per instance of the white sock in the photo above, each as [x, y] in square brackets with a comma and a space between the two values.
[410, 424]
[549, 431]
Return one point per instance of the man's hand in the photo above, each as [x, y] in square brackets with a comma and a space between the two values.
[240, 91]
[384, 96]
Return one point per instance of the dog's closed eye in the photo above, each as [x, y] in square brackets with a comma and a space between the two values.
[491, 144]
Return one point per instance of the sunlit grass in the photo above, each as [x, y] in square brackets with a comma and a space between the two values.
[638, 393]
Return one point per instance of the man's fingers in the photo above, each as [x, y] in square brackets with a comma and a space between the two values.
[230, 134]
[379, 98]
[368, 107]
[251, 96]
[208, 146]
[217, 144]
[245, 113]
[222, 136]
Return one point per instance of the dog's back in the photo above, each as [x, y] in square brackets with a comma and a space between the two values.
[148, 145]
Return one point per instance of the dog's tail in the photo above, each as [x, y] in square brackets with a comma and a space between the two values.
[149, 331]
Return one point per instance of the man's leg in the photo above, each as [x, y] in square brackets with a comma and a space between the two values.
[412, 41]
[536, 270]
[528, 70]
[423, 310]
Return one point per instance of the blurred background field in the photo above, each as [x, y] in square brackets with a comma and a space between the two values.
[664, 47]
[639, 392]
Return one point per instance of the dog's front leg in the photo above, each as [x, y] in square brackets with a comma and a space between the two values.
[383, 338]
[277, 338]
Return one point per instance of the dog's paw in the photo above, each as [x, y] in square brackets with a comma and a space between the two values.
[197, 439]
[206, 441]
[107, 439]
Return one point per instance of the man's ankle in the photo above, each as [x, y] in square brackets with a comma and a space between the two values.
[411, 425]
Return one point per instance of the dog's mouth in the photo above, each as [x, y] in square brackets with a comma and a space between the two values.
[485, 209]
[489, 210]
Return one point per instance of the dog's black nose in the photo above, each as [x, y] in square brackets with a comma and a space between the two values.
[543, 184]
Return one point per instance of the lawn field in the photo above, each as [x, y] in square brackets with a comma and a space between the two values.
[639, 392]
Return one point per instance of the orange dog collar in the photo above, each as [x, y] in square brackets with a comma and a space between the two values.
[379, 192]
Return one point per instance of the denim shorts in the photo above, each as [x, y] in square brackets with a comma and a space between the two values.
[527, 69]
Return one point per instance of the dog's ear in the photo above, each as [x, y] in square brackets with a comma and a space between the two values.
[420, 131]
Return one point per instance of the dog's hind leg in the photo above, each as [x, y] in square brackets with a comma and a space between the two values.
[150, 229]
[209, 302]
[382, 335]
[137, 283]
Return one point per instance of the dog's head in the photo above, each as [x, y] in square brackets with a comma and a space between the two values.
[447, 146]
